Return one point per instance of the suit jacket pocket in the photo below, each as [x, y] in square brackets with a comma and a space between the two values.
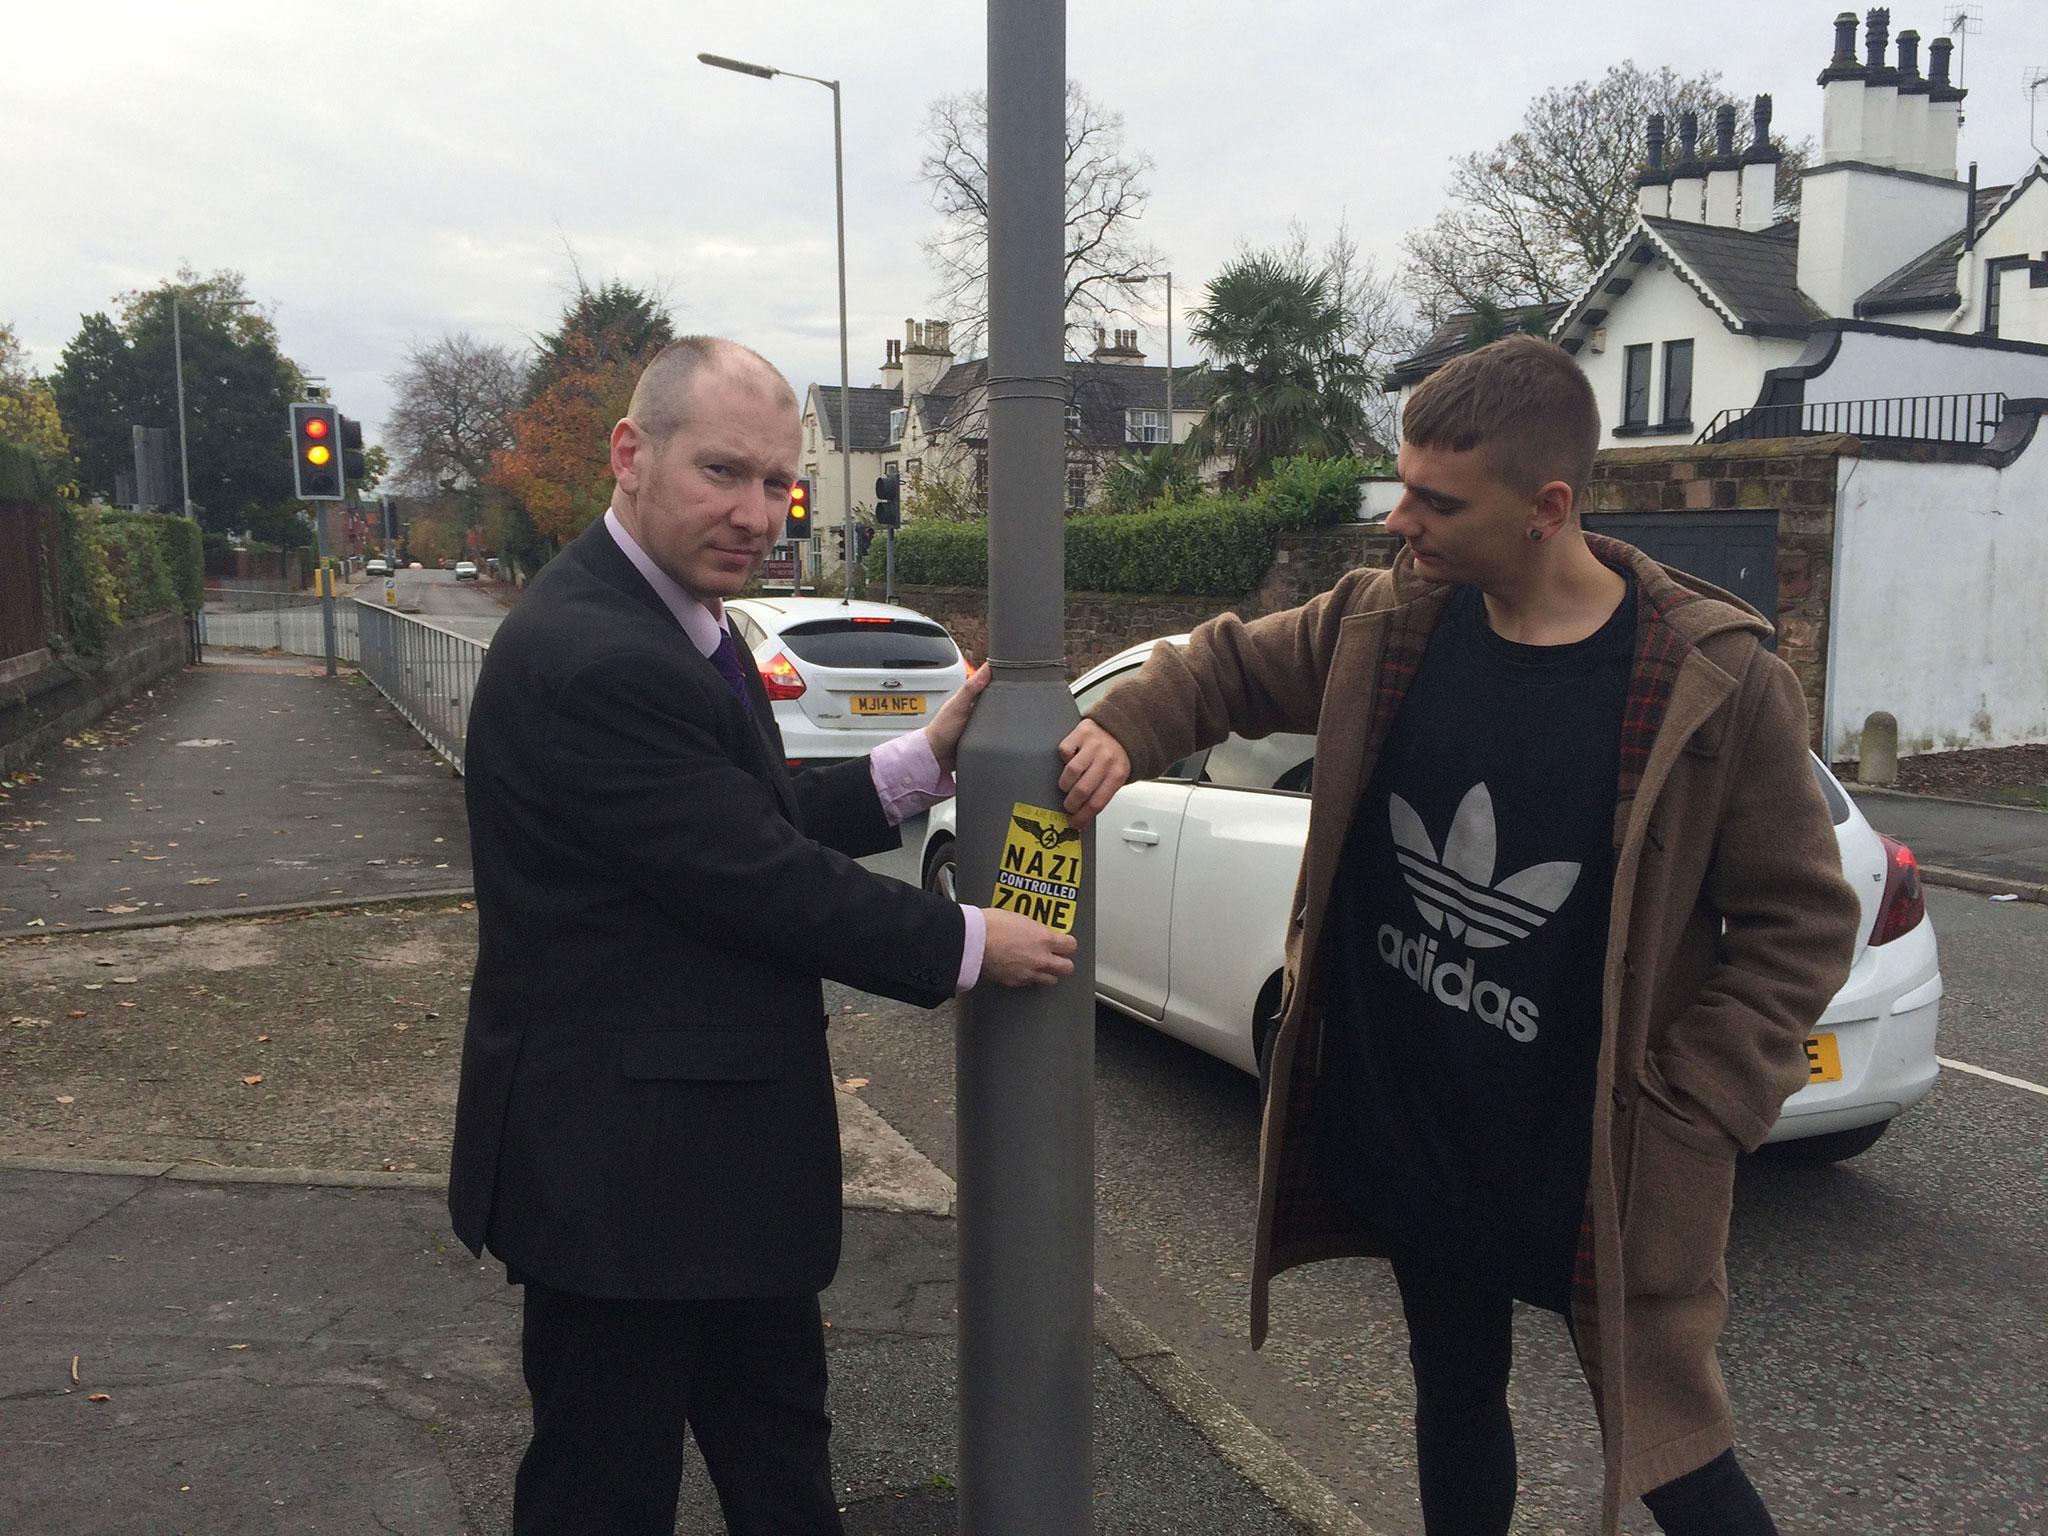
[708, 1054]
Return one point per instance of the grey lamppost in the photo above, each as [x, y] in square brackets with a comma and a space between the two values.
[766, 72]
[178, 368]
[1133, 281]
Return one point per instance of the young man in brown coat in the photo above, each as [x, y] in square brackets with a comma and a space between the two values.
[1570, 902]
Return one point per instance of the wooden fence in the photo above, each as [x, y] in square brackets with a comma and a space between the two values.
[31, 551]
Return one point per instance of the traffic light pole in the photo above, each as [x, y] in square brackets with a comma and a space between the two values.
[1026, 1057]
[326, 579]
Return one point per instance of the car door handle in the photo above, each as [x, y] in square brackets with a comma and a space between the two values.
[1139, 833]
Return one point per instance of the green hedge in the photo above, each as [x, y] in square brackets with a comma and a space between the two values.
[26, 476]
[1213, 546]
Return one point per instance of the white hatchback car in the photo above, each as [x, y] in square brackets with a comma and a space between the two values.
[845, 677]
[1195, 870]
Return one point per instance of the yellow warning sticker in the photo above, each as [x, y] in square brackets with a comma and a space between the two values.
[1040, 873]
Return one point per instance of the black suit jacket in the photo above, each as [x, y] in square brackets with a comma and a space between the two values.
[646, 1106]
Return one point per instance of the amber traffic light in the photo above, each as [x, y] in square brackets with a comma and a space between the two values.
[316, 472]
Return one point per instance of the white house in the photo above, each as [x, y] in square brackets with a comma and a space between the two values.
[1899, 303]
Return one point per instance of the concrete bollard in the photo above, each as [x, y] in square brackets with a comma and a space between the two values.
[1878, 760]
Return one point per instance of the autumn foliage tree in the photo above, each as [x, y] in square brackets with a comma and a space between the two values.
[559, 464]
[557, 470]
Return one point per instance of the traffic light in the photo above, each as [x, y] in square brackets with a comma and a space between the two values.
[797, 525]
[351, 450]
[888, 501]
[316, 452]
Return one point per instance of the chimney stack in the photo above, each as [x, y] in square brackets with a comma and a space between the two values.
[1653, 187]
[892, 365]
[1944, 112]
[925, 357]
[1880, 92]
[1688, 177]
[1759, 192]
[1724, 171]
[1909, 132]
[1841, 83]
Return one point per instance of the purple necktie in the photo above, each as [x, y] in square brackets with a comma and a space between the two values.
[727, 659]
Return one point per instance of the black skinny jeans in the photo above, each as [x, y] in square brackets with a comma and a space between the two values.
[1461, 1344]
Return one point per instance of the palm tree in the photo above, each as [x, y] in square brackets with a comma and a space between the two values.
[1282, 383]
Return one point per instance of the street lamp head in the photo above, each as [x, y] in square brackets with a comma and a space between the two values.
[1136, 278]
[760, 71]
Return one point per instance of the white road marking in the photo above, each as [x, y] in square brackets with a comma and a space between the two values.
[1996, 1077]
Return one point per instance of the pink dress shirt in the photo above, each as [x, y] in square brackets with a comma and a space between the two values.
[906, 773]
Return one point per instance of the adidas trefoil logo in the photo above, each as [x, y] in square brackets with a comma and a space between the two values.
[1457, 892]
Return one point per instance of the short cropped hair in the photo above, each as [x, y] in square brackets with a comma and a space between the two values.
[661, 399]
[1523, 400]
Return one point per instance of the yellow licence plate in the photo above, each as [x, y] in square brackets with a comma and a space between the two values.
[888, 703]
[1823, 1059]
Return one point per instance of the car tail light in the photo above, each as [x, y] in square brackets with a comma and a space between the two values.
[1904, 903]
[781, 678]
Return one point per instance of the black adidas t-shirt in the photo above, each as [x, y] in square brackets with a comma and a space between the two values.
[1468, 933]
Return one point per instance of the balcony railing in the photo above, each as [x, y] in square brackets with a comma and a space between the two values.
[1911, 418]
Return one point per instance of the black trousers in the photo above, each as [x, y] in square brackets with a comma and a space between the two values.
[1461, 1344]
[618, 1386]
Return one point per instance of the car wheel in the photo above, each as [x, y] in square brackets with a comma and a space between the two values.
[1266, 1024]
[941, 871]
[1830, 1147]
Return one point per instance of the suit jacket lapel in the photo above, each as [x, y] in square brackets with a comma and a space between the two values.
[765, 760]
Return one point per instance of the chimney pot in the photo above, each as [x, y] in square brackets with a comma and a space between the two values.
[1724, 131]
[1656, 141]
[1909, 55]
[1938, 53]
[1877, 35]
[1845, 39]
[1688, 136]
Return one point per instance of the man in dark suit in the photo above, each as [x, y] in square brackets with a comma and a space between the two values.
[646, 1133]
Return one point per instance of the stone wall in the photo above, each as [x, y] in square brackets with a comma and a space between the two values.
[1793, 477]
[1100, 624]
[40, 707]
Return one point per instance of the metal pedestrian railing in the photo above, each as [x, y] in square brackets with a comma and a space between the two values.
[429, 673]
[1973, 418]
[246, 619]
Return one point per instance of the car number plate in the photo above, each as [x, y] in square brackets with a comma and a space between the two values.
[1823, 1059]
[888, 703]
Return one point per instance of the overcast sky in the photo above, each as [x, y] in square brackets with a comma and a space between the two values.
[384, 171]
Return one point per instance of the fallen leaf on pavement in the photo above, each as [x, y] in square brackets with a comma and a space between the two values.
[65, 1098]
[126, 981]
[261, 1038]
[253, 1079]
[74, 1369]
[100, 1397]
[74, 1013]
[855, 1082]
[120, 907]
[203, 880]
[460, 906]
[126, 1004]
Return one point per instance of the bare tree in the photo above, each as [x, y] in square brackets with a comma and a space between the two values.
[1532, 218]
[1105, 198]
[1377, 327]
[456, 396]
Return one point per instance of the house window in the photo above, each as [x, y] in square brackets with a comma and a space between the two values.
[1073, 421]
[896, 423]
[910, 469]
[1677, 383]
[1635, 390]
[1145, 427]
[1077, 487]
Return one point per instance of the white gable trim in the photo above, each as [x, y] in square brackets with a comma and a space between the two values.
[1642, 232]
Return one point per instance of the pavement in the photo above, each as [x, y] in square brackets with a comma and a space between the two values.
[2003, 847]
[229, 1298]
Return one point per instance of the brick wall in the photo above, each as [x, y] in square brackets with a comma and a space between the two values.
[1100, 624]
[1793, 477]
[41, 708]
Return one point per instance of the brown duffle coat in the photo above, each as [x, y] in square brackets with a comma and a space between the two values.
[1731, 929]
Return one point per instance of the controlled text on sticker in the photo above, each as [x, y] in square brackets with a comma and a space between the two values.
[1040, 873]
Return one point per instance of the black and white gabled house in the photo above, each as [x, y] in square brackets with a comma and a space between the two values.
[1901, 302]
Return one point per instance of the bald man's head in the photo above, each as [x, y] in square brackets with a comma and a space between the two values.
[662, 399]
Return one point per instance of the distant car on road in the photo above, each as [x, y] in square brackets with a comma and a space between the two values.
[845, 677]
[376, 566]
[1196, 870]
[465, 570]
